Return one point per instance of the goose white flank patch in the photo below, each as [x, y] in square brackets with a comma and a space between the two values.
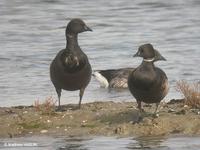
[113, 78]
[102, 80]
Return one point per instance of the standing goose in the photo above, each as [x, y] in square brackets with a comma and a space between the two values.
[70, 70]
[148, 83]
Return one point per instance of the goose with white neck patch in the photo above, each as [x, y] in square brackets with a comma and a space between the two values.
[148, 83]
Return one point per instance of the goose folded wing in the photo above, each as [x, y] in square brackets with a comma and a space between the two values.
[73, 62]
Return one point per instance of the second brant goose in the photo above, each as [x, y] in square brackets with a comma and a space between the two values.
[148, 83]
[70, 70]
[113, 78]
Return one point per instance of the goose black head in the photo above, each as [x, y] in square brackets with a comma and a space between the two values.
[148, 53]
[76, 26]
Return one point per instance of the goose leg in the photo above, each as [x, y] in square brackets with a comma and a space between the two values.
[156, 110]
[59, 95]
[140, 106]
[81, 95]
[140, 115]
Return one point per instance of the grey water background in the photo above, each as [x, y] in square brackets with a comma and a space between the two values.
[101, 143]
[30, 39]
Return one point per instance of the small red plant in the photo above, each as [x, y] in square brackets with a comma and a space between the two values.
[191, 93]
[47, 107]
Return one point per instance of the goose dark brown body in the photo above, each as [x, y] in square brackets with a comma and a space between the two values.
[70, 70]
[148, 83]
[64, 79]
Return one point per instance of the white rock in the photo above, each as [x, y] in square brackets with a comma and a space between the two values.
[64, 116]
[131, 122]
[171, 110]
[84, 121]
[48, 121]
[25, 112]
[43, 131]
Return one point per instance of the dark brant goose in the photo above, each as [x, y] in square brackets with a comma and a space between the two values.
[113, 78]
[148, 83]
[70, 70]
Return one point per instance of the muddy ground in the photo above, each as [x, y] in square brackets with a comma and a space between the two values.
[100, 118]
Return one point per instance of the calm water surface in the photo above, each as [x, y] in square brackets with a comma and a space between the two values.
[102, 143]
[30, 38]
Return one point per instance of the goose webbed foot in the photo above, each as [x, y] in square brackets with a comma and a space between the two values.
[156, 113]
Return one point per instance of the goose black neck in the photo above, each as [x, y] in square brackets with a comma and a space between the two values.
[72, 41]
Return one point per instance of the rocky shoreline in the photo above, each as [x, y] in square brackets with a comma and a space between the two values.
[101, 118]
